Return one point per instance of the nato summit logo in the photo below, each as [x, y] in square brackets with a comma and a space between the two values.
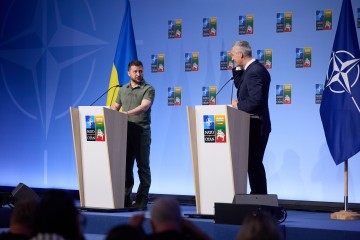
[265, 57]
[214, 128]
[246, 24]
[192, 62]
[95, 129]
[174, 96]
[209, 27]
[323, 20]
[303, 58]
[283, 94]
[209, 95]
[175, 28]
[226, 62]
[284, 22]
[157, 63]
[319, 90]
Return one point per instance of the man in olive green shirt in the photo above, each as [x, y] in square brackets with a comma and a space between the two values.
[135, 98]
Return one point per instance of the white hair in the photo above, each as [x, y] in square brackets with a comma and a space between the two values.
[244, 47]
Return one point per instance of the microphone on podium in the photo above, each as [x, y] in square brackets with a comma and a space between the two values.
[237, 73]
[232, 78]
[115, 86]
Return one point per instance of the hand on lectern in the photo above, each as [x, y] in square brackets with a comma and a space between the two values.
[234, 103]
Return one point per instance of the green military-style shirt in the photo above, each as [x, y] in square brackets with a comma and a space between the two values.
[129, 98]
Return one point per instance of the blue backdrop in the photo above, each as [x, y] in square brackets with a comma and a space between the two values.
[55, 54]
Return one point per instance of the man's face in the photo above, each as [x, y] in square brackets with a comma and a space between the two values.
[136, 74]
[237, 57]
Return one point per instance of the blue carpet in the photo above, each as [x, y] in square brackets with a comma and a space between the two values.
[299, 225]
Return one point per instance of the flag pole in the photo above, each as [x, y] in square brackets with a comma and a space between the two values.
[346, 214]
[346, 186]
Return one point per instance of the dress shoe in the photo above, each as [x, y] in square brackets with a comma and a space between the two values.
[139, 205]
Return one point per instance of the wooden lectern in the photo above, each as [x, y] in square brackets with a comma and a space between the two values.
[100, 136]
[219, 138]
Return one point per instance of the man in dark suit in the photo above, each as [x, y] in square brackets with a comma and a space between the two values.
[253, 83]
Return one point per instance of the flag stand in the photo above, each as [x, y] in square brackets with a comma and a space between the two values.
[345, 214]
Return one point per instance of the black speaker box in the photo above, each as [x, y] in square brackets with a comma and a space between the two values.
[257, 199]
[245, 204]
[24, 192]
[5, 198]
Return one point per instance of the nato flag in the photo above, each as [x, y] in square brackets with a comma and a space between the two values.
[340, 106]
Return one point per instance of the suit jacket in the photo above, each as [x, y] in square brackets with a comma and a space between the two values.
[253, 94]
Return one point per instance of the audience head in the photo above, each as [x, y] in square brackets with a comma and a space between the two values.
[22, 217]
[125, 232]
[259, 226]
[167, 223]
[166, 215]
[57, 214]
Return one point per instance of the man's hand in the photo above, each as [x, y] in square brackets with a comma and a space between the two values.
[137, 220]
[234, 103]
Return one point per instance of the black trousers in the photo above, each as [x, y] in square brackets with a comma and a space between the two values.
[256, 171]
[138, 148]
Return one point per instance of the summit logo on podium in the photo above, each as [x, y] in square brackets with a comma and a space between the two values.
[95, 128]
[214, 128]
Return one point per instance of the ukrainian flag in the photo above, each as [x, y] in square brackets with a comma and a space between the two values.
[125, 52]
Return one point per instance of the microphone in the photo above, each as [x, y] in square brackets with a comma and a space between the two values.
[116, 86]
[232, 78]
[237, 73]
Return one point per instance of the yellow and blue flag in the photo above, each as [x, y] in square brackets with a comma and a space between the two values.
[125, 52]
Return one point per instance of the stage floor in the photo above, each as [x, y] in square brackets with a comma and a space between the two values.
[298, 225]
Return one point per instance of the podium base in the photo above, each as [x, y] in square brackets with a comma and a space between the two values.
[345, 215]
[108, 210]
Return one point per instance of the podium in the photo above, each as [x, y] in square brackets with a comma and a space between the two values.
[219, 139]
[100, 136]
